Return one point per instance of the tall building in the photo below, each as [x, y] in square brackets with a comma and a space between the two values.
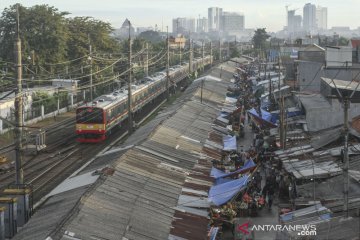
[309, 18]
[294, 22]
[321, 17]
[233, 22]
[183, 25]
[202, 25]
[214, 18]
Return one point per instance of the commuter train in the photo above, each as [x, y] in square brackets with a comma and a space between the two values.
[94, 121]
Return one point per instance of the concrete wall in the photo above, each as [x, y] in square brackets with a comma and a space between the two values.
[313, 56]
[322, 118]
[310, 73]
[338, 57]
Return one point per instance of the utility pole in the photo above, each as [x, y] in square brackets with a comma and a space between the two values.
[202, 55]
[201, 93]
[180, 51]
[167, 64]
[91, 75]
[346, 100]
[211, 54]
[129, 85]
[265, 68]
[147, 61]
[190, 56]
[282, 123]
[346, 157]
[279, 85]
[18, 107]
[270, 91]
[220, 57]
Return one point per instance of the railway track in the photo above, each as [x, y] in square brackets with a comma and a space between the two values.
[50, 130]
[63, 155]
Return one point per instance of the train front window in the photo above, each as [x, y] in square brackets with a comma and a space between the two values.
[89, 115]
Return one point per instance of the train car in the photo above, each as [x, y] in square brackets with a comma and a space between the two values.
[95, 120]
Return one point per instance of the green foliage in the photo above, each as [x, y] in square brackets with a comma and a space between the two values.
[43, 98]
[42, 30]
[235, 52]
[259, 38]
[53, 38]
[150, 36]
[333, 41]
[83, 31]
[343, 41]
[49, 101]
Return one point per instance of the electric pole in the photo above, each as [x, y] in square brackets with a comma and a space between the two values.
[129, 85]
[18, 106]
[203, 55]
[180, 51]
[282, 123]
[147, 61]
[190, 56]
[167, 64]
[201, 93]
[220, 57]
[91, 75]
[346, 157]
[279, 85]
[211, 54]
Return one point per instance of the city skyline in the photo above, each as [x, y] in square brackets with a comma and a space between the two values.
[145, 13]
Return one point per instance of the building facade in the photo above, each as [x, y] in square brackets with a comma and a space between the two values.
[321, 18]
[202, 25]
[309, 18]
[183, 25]
[294, 22]
[233, 22]
[214, 18]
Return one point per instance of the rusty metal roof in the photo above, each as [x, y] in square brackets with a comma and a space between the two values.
[139, 200]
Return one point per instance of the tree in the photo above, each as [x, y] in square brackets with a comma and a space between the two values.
[259, 38]
[151, 36]
[235, 52]
[42, 30]
[86, 30]
[343, 41]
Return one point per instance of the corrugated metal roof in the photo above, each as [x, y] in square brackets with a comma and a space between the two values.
[52, 214]
[138, 201]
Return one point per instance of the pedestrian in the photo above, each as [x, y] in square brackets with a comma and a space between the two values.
[257, 179]
[268, 192]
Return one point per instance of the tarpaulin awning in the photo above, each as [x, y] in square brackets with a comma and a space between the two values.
[222, 193]
[229, 143]
[264, 114]
[264, 120]
[216, 173]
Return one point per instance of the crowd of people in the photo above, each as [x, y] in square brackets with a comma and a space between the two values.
[268, 181]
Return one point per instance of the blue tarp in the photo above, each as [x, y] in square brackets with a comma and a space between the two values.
[229, 143]
[222, 180]
[290, 113]
[265, 119]
[264, 114]
[216, 173]
[222, 193]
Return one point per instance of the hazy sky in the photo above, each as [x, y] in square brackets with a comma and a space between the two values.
[143, 13]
